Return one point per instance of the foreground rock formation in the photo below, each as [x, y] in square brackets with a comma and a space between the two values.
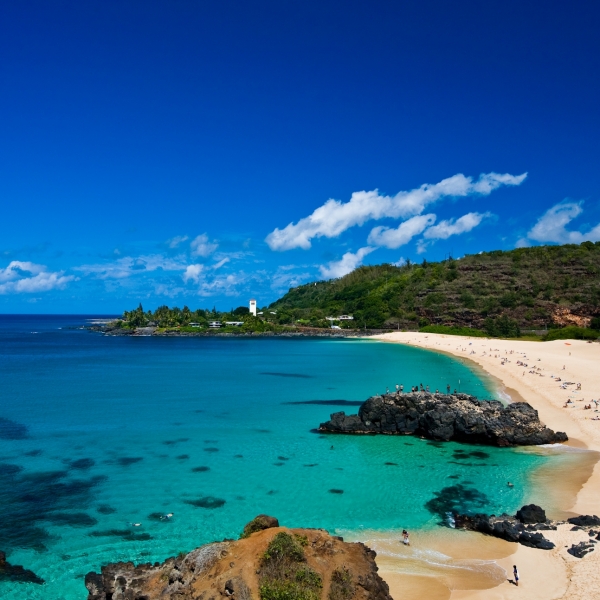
[268, 563]
[444, 417]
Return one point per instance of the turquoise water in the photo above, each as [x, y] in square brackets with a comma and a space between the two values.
[107, 431]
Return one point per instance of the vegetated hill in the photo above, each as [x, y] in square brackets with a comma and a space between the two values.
[499, 292]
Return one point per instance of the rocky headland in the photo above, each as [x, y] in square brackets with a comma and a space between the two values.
[268, 562]
[445, 417]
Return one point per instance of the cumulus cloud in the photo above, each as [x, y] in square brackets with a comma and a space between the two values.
[178, 239]
[193, 272]
[552, 226]
[394, 238]
[348, 263]
[202, 246]
[334, 217]
[27, 277]
[444, 229]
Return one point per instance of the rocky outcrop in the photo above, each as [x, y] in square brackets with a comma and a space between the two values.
[511, 529]
[10, 572]
[240, 569]
[585, 521]
[444, 417]
[259, 523]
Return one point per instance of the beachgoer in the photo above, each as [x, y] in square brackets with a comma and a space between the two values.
[401, 388]
[510, 484]
[516, 575]
[405, 538]
[448, 388]
[455, 391]
[427, 389]
[397, 387]
[136, 524]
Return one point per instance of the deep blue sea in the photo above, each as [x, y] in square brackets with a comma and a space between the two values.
[97, 433]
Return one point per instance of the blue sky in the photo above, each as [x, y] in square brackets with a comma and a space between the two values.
[204, 153]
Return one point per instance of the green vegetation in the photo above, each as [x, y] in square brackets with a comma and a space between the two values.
[453, 330]
[341, 587]
[495, 294]
[284, 574]
[499, 293]
[572, 333]
[181, 320]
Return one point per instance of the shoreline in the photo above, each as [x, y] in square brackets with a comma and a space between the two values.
[545, 575]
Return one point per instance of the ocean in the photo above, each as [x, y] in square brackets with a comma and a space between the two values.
[99, 433]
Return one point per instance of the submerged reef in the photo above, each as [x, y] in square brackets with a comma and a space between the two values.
[445, 417]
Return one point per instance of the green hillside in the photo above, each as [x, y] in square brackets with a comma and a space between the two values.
[497, 292]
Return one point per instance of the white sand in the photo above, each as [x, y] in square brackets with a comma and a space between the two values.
[545, 575]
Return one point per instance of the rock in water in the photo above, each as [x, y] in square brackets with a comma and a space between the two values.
[10, 572]
[458, 417]
[235, 569]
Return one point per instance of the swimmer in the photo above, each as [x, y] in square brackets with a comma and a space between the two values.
[167, 516]
[510, 484]
[135, 524]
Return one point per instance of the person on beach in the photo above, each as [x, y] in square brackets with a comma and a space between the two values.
[516, 575]
[405, 539]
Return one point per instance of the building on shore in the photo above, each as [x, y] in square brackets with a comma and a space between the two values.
[253, 307]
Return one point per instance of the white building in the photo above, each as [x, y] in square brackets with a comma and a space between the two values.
[253, 307]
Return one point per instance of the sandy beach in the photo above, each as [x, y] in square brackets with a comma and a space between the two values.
[545, 575]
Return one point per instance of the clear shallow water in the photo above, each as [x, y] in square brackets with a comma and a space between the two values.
[121, 428]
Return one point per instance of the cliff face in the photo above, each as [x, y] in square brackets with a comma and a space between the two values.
[457, 417]
[277, 562]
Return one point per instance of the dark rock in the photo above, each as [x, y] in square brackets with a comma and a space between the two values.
[505, 527]
[585, 520]
[258, 524]
[531, 513]
[581, 549]
[10, 572]
[441, 417]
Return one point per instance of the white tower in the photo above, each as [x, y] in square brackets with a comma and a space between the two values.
[253, 307]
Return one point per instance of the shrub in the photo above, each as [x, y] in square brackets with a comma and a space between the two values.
[467, 331]
[571, 333]
[285, 574]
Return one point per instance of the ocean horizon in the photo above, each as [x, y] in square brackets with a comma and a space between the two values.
[101, 437]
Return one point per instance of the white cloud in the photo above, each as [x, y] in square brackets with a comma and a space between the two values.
[27, 277]
[178, 239]
[219, 264]
[551, 226]
[394, 238]
[400, 262]
[334, 217]
[348, 263]
[224, 284]
[128, 265]
[202, 246]
[284, 278]
[444, 229]
[193, 272]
